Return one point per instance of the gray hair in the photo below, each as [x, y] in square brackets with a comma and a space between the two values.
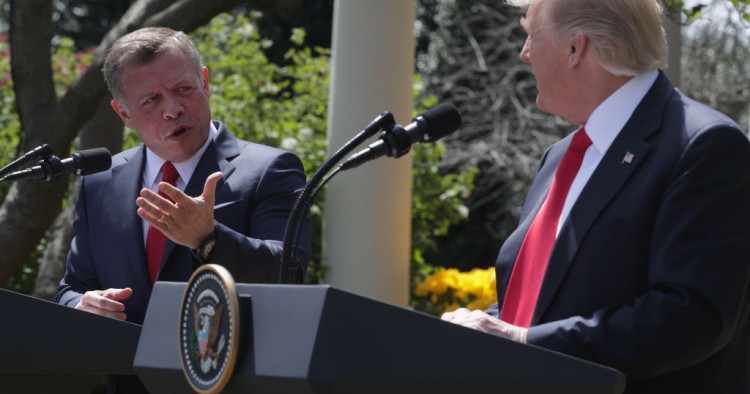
[627, 35]
[139, 48]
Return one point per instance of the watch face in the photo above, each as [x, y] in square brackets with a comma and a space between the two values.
[207, 250]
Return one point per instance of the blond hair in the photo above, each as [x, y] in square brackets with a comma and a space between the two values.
[627, 35]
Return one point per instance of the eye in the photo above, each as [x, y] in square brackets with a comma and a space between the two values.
[149, 100]
[185, 89]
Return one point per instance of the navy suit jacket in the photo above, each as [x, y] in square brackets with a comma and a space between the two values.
[650, 271]
[253, 200]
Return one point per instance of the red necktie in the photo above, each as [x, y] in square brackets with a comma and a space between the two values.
[156, 241]
[533, 257]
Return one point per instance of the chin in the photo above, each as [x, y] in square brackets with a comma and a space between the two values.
[541, 104]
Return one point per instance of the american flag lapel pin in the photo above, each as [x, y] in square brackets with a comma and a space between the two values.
[628, 158]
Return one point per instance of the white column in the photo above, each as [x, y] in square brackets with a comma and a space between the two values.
[367, 224]
[674, 41]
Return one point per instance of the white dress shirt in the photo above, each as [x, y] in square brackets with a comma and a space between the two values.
[603, 126]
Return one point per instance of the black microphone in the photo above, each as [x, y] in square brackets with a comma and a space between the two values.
[432, 125]
[43, 151]
[85, 162]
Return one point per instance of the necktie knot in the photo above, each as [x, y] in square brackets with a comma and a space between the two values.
[169, 174]
[581, 141]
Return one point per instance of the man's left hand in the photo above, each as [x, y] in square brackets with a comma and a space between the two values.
[481, 321]
[187, 220]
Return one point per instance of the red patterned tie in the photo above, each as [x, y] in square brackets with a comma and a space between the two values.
[156, 241]
[533, 257]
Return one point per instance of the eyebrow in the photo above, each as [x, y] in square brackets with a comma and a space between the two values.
[176, 84]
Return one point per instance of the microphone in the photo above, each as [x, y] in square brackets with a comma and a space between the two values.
[85, 162]
[432, 125]
[43, 151]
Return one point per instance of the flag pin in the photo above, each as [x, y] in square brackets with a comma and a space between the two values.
[628, 158]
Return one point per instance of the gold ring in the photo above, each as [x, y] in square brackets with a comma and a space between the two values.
[161, 219]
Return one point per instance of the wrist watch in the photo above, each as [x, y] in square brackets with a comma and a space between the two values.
[205, 250]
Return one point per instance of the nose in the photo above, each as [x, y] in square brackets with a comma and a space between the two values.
[524, 55]
[173, 108]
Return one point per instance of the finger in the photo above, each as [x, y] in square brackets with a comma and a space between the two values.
[102, 302]
[177, 195]
[95, 302]
[155, 219]
[153, 202]
[461, 312]
[102, 312]
[118, 294]
[154, 214]
[447, 316]
[209, 189]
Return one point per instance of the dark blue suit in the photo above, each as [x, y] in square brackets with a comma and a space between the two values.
[254, 199]
[650, 271]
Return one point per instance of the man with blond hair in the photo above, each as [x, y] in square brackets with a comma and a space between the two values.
[633, 248]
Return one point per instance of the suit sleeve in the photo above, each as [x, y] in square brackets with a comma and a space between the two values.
[256, 257]
[80, 274]
[697, 276]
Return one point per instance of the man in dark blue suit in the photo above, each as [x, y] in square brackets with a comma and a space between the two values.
[644, 265]
[229, 203]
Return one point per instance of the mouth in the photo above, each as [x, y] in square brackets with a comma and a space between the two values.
[178, 132]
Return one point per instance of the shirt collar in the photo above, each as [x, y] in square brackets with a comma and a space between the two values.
[609, 118]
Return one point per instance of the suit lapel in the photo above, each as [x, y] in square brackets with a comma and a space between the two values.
[217, 157]
[127, 184]
[621, 160]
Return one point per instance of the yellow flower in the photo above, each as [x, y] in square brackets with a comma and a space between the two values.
[421, 290]
[449, 289]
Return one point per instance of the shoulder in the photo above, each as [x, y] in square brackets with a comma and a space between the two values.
[120, 162]
[126, 156]
[267, 156]
[688, 124]
[700, 135]
[698, 116]
[248, 148]
[244, 152]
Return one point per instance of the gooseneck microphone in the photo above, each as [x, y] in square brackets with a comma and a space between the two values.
[43, 151]
[432, 125]
[395, 141]
[85, 162]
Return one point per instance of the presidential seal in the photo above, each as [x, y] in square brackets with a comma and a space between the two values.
[209, 329]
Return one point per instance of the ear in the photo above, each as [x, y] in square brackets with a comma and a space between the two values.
[122, 112]
[205, 80]
[579, 44]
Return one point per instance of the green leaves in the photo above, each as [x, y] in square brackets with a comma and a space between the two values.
[287, 106]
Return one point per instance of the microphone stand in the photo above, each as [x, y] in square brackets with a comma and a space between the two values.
[43, 151]
[290, 270]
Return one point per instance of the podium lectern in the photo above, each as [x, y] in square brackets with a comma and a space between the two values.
[50, 348]
[319, 339]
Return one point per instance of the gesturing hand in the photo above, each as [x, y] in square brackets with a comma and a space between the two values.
[187, 220]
